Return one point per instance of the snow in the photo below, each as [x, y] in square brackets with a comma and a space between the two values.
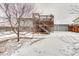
[6, 35]
[54, 44]
[50, 45]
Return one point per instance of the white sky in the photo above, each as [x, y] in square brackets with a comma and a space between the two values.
[59, 10]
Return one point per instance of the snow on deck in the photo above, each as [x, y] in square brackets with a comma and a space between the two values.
[49, 45]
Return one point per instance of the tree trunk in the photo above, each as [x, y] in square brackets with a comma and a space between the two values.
[18, 39]
[18, 32]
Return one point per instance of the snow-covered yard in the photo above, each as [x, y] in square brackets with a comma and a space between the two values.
[53, 44]
[6, 35]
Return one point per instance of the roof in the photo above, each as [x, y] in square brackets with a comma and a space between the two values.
[76, 20]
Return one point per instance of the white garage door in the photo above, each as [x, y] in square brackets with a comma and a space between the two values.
[61, 27]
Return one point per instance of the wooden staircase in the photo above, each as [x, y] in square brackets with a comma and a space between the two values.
[44, 29]
[42, 25]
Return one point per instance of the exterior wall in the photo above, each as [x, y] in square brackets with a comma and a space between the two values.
[25, 23]
[61, 27]
[28, 22]
[57, 27]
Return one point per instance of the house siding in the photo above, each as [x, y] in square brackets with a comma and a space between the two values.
[61, 27]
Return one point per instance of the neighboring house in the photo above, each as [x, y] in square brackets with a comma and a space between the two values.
[76, 21]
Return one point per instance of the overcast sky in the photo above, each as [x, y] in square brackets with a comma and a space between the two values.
[60, 11]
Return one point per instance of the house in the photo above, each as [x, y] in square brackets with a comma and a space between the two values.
[75, 26]
[38, 23]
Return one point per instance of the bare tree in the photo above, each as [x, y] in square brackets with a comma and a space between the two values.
[75, 10]
[14, 11]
